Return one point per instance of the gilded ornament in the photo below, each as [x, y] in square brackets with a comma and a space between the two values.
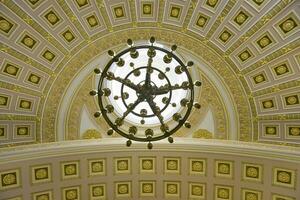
[288, 25]
[25, 104]
[271, 130]
[97, 167]
[245, 55]
[171, 189]
[295, 131]
[1, 131]
[197, 166]
[41, 173]
[175, 12]
[268, 104]
[202, 133]
[201, 21]
[48, 55]
[70, 169]
[71, 194]
[22, 131]
[147, 9]
[119, 12]
[122, 165]
[3, 101]
[292, 100]
[91, 134]
[147, 165]
[212, 2]
[12, 70]
[9, 179]
[68, 35]
[223, 193]
[284, 177]
[251, 196]
[123, 189]
[28, 41]
[225, 36]
[52, 18]
[172, 165]
[92, 21]
[265, 41]
[81, 2]
[282, 69]
[241, 18]
[147, 188]
[43, 197]
[196, 190]
[223, 168]
[98, 191]
[34, 78]
[5, 25]
[260, 78]
[252, 172]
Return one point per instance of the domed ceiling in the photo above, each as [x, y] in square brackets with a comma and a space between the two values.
[246, 53]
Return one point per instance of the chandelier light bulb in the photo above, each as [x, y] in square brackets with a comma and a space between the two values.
[97, 114]
[120, 62]
[134, 53]
[97, 71]
[128, 143]
[129, 42]
[174, 47]
[106, 92]
[109, 108]
[152, 40]
[190, 63]
[198, 83]
[151, 52]
[119, 121]
[197, 105]
[164, 128]
[110, 76]
[170, 139]
[143, 112]
[110, 131]
[187, 124]
[137, 73]
[111, 53]
[133, 130]
[149, 132]
[184, 102]
[167, 58]
[93, 92]
[178, 70]
[150, 145]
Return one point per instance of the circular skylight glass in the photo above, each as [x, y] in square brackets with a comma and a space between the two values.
[135, 70]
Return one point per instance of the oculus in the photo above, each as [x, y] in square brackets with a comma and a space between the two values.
[149, 86]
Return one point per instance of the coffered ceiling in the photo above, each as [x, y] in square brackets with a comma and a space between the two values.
[252, 46]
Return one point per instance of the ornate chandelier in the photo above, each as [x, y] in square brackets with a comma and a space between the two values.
[145, 93]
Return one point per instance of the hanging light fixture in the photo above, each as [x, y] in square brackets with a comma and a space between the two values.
[145, 93]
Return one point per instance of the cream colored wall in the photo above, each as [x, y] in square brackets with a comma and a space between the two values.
[225, 166]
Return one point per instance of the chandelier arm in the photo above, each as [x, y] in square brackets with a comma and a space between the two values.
[152, 106]
[130, 108]
[148, 74]
[128, 84]
[166, 90]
